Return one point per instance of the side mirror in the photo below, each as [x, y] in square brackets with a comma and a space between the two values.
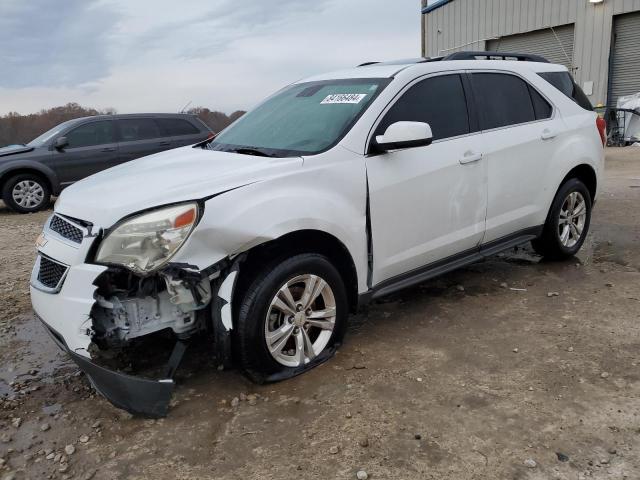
[404, 135]
[60, 143]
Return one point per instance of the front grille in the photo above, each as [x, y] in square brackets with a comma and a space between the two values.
[66, 229]
[50, 273]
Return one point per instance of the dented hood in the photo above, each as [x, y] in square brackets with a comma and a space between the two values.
[172, 176]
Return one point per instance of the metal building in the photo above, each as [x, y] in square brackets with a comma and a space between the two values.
[599, 40]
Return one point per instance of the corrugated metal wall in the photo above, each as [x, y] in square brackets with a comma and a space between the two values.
[625, 71]
[470, 24]
[554, 44]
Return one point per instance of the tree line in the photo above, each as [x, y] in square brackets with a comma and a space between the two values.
[18, 129]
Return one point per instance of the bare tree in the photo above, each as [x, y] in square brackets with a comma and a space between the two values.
[17, 129]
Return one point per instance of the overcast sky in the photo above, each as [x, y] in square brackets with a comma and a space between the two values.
[157, 55]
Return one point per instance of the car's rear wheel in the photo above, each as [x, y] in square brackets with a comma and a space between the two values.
[26, 193]
[293, 312]
[568, 222]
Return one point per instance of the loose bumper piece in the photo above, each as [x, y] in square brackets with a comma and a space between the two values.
[137, 395]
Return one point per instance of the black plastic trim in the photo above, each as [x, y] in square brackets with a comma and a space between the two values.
[385, 147]
[448, 264]
[137, 395]
[473, 55]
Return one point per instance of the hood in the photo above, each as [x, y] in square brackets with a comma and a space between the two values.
[14, 149]
[177, 175]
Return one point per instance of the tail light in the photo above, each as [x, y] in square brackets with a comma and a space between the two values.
[602, 129]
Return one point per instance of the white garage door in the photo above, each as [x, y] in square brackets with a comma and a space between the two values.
[556, 44]
[624, 77]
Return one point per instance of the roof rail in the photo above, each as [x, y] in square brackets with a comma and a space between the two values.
[481, 55]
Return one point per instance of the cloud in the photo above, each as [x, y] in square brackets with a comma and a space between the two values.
[53, 44]
[156, 55]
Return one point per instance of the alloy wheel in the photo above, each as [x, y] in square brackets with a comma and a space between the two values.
[300, 320]
[573, 216]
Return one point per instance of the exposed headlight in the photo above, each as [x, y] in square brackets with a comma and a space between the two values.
[146, 242]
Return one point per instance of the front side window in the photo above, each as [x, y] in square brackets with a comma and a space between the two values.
[89, 134]
[42, 139]
[302, 119]
[133, 129]
[439, 101]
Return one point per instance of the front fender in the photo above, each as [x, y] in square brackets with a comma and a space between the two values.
[18, 165]
[329, 199]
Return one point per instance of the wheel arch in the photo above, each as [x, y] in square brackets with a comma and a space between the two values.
[296, 242]
[49, 177]
[587, 175]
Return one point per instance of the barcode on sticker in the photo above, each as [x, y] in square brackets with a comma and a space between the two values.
[343, 98]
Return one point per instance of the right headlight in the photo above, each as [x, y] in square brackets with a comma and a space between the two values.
[146, 242]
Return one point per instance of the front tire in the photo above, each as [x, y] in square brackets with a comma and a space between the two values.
[293, 312]
[26, 193]
[567, 223]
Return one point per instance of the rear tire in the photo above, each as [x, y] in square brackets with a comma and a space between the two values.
[294, 311]
[567, 223]
[26, 193]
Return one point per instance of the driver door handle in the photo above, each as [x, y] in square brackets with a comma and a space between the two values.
[109, 149]
[470, 157]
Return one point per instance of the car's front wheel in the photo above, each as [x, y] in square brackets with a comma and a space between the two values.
[26, 193]
[292, 313]
[567, 223]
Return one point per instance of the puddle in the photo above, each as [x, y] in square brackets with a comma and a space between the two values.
[30, 355]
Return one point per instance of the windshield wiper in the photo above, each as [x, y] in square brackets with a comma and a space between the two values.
[251, 151]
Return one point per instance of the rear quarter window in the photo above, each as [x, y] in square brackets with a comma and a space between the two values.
[563, 82]
[177, 126]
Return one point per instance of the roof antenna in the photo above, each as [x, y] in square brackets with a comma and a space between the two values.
[185, 107]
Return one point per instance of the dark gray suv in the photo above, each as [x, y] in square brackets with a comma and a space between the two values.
[73, 150]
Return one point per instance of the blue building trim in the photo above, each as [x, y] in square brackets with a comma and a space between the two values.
[435, 5]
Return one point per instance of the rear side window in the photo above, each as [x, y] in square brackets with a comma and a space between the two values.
[563, 82]
[177, 126]
[503, 100]
[138, 129]
[94, 133]
[439, 101]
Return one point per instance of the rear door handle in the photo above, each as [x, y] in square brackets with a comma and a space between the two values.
[109, 149]
[470, 157]
[164, 144]
[548, 134]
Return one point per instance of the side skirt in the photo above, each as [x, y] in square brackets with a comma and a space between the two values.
[448, 264]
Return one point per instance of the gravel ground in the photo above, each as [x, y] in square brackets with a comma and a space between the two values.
[512, 368]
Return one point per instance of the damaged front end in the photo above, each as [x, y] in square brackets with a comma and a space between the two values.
[128, 306]
[94, 312]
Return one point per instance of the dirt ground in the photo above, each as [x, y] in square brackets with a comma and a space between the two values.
[475, 375]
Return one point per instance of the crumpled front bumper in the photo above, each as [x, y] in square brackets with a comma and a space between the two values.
[65, 312]
[136, 395]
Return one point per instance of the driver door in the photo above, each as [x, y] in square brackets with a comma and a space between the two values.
[428, 203]
[91, 148]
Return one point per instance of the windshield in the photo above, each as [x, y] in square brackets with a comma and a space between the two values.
[49, 134]
[302, 119]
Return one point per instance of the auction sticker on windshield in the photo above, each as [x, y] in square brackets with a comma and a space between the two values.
[343, 98]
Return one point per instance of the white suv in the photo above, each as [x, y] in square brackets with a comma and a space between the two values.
[333, 192]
